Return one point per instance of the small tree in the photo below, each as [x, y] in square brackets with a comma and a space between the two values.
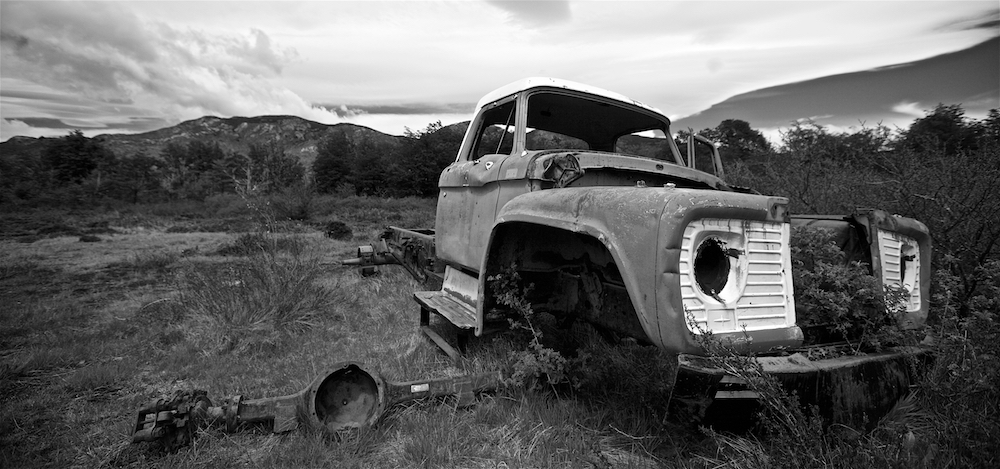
[946, 128]
[275, 169]
[73, 157]
[425, 154]
[737, 140]
[135, 177]
[332, 166]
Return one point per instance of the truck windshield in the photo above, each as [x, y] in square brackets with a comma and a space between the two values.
[564, 121]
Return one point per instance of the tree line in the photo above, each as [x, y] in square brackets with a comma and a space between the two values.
[410, 166]
[78, 170]
[75, 169]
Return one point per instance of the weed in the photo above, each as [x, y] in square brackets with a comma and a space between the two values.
[250, 244]
[338, 230]
[537, 362]
[252, 305]
[150, 261]
[294, 203]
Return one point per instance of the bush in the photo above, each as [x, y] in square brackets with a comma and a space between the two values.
[840, 296]
[294, 203]
[338, 230]
[253, 244]
[961, 391]
[252, 306]
[538, 365]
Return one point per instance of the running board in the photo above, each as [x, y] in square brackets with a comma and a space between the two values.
[456, 311]
[461, 314]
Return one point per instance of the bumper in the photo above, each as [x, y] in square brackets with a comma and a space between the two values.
[850, 390]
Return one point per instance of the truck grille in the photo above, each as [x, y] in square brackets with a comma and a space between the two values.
[756, 292]
[900, 260]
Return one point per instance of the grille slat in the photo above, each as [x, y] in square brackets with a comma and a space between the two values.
[763, 299]
[891, 246]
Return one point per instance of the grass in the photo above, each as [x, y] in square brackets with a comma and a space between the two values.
[90, 332]
[252, 305]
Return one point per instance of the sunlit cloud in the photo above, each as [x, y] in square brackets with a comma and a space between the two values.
[535, 13]
[397, 124]
[910, 109]
[105, 56]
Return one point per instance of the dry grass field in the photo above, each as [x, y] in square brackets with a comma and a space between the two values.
[103, 311]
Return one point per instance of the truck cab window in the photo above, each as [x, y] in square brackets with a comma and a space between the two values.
[579, 122]
[496, 131]
[647, 144]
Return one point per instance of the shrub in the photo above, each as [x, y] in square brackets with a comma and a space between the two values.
[252, 244]
[294, 203]
[252, 306]
[538, 364]
[150, 261]
[842, 296]
[338, 230]
[961, 390]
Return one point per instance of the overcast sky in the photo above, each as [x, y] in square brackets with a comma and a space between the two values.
[110, 67]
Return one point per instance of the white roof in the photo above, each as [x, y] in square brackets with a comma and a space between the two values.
[539, 82]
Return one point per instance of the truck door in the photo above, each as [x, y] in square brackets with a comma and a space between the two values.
[467, 201]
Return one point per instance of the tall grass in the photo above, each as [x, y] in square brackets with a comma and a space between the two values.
[252, 306]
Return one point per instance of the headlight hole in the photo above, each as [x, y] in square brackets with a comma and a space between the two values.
[711, 266]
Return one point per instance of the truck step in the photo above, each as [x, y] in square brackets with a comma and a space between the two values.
[458, 312]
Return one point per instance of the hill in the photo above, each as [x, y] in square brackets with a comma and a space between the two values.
[970, 77]
[298, 137]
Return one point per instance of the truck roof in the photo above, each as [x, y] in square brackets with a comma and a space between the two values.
[525, 84]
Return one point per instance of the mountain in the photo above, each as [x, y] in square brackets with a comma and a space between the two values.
[299, 137]
[970, 77]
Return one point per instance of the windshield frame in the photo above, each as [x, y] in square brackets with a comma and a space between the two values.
[610, 139]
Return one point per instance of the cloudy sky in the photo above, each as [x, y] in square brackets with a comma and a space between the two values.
[107, 67]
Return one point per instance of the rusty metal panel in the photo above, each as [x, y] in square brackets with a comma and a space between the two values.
[459, 313]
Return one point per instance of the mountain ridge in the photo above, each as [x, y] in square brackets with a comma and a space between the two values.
[968, 77]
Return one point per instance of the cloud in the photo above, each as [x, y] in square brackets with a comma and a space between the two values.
[535, 13]
[401, 109]
[396, 124]
[909, 108]
[988, 20]
[12, 127]
[103, 53]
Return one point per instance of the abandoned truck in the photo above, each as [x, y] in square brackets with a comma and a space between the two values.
[586, 193]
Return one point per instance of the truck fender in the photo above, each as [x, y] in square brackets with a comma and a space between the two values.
[625, 225]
